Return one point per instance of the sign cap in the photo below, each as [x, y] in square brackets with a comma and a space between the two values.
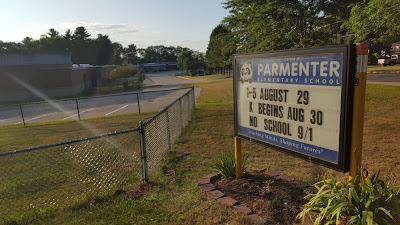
[362, 49]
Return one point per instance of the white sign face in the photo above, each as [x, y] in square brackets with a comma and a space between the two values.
[292, 102]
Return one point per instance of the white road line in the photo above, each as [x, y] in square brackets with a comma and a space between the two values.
[117, 110]
[77, 114]
[38, 117]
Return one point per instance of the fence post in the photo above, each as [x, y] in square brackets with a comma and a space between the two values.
[168, 130]
[22, 114]
[144, 154]
[138, 102]
[194, 100]
[77, 108]
[180, 112]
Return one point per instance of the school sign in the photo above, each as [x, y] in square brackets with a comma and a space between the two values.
[297, 101]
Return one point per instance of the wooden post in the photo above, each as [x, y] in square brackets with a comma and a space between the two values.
[360, 83]
[238, 157]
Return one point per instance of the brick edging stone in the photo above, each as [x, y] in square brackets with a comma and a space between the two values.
[206, 184]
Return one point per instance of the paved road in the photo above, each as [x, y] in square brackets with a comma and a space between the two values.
[151, 99]
[384, 78]
[166, 78]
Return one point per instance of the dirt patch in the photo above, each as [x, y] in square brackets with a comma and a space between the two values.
[276, 200]
[141, 190]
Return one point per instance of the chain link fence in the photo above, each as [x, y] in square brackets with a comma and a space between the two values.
[70, 172]
[162, 130]
[77, 109]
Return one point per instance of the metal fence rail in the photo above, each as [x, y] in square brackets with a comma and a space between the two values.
[63, 173]
[87, 107]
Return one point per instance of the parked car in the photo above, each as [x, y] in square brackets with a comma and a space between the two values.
[393, 60]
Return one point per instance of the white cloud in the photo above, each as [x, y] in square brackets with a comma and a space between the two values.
[99, 28]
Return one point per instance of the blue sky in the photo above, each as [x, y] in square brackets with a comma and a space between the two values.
[187, 23]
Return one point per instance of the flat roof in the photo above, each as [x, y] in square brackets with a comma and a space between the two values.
[34, 59]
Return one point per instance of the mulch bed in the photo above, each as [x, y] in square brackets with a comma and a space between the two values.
[277, 199]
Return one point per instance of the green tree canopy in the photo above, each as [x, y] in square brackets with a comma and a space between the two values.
[104, 50]
[191, 60]
[118, 53]
[83, 48]
[53, 33]
[220, 48]
[81, 34]
[96, 51]
[267, 25]
[376, 22]
[277, 24]
[131, 52]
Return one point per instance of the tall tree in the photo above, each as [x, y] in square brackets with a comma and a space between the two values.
[336, 13]
[375, 21]
[131, 53]
[118, 53]
[52, 42]
[104, 50]
[262, 25]
[81, 34]
[191, 60]
[53, 33]
[30, 44]
[82, 47]
[185, 60]
[220, 48]
[68, 40]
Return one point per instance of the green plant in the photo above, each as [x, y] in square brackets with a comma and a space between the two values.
[362, 200]
[267, 185]
[192, 73]
[208, 72]
[122, 73]
[226, 164]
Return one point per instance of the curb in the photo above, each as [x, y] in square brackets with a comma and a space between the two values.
[206, 184]
[383, 71]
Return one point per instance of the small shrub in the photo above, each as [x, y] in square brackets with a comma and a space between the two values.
[208, 72]
[226, 164]
[192, 73]
[369, 201]
[122, 73]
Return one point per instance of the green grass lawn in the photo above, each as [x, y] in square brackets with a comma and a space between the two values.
[174, 197]
[13, 137]
[207, 77]
[381, 68]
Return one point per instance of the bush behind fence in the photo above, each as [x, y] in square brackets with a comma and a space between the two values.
[64, 173]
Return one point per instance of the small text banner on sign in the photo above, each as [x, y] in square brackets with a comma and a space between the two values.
[296, 101]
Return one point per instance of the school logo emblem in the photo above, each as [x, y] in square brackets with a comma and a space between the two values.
[246, 72]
